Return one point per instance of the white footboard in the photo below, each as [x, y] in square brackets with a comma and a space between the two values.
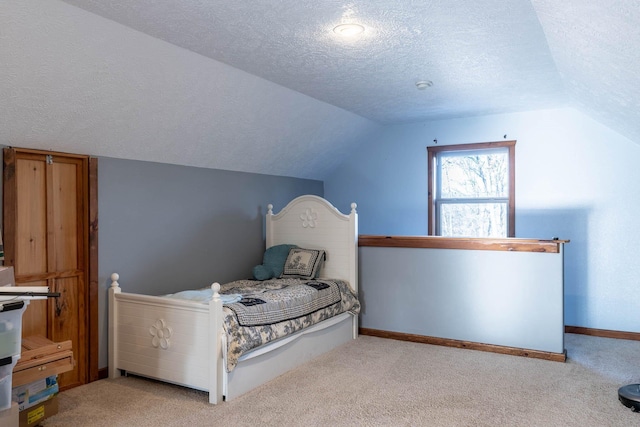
[171, 340]
[167, 339]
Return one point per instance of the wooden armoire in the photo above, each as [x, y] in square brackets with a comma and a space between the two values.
[50, 238]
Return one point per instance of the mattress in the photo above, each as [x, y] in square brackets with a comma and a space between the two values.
[259, 312]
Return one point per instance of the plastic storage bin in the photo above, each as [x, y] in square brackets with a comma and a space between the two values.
[6, 368]
[11, 327]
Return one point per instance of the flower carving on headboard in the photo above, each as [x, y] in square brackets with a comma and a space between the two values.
[160, 334]
[309, 218]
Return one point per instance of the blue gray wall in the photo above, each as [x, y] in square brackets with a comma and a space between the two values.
[575, 179]
[166, 228]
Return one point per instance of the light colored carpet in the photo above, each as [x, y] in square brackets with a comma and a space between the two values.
[380, 382]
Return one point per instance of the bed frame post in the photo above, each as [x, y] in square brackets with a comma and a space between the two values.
[353, 274]
[269, 232]
[113, 326]
[215, 347]
[353, 247]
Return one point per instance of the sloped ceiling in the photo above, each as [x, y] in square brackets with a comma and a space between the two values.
[595, 46]
[482, 56]
[72, 81]
[284, 94]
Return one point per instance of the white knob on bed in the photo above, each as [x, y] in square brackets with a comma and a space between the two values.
[353, 207]
[114, 280]
[215, 288]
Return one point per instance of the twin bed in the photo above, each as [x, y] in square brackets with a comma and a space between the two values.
[220, 340]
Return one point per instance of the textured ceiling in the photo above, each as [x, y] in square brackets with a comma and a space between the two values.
[73, 81]
[119, 78]
[483, 56]
[595, 46]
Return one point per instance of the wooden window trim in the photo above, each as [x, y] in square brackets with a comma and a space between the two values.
[431, 155]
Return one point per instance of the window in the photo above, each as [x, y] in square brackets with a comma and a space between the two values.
[472, 190]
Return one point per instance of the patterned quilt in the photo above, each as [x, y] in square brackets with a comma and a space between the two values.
[274, 301]
[275, 308]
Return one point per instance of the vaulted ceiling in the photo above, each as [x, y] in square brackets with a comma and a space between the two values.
[482, 56]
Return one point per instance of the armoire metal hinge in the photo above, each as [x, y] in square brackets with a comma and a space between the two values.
[49, 159]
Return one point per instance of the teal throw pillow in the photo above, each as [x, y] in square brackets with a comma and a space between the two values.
[261, 272]
[272, 262]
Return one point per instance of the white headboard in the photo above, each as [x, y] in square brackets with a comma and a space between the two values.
[314, 223]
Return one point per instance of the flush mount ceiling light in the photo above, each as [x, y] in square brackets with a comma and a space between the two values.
[423, 84]
[348, 30]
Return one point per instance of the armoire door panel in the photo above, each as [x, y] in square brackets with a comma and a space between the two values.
[31, 227]
[35, 318]
[64, 244]
[69, 323]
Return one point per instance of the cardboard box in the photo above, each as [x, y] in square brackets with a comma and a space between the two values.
[31, 394]
[34, 415]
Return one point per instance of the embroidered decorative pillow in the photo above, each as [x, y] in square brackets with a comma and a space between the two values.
[303, 263]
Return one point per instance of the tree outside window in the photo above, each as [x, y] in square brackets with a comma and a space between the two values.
[472, 190]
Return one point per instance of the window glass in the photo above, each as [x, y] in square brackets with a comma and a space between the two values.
[466, 175]
[473, 219]
[471, 190]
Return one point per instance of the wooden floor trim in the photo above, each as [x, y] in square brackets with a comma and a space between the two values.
[535, 354]
[103, 373]
[604, 333]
